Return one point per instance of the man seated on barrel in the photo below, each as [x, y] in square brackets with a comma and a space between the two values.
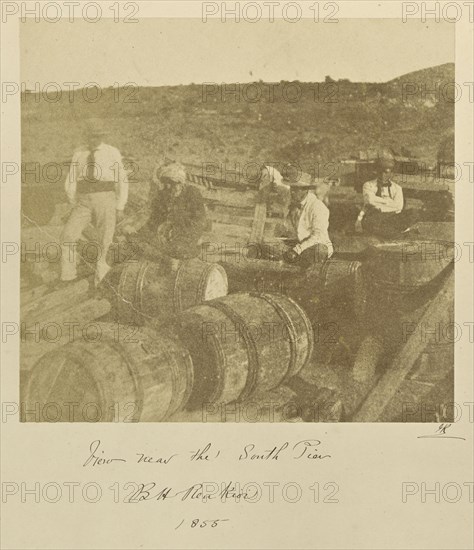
[382, 214]
[177, 215]
[308, 219]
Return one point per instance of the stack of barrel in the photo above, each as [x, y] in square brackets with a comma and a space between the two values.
[334, 283]
[173, 340]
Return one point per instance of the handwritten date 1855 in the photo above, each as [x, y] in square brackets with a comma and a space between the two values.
[202, 523]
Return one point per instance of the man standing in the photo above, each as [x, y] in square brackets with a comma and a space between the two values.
[97, 188]
[309, 219]
[178, 215]
[381, 214]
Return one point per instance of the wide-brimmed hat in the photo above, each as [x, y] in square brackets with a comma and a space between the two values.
[174, 172]
[385, 163]
[304, 181]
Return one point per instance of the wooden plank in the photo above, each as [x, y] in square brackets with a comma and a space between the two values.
[219, 217]
[258, 225]
[230, 197]
[226, 230]
[36, 309]
[390, 382]
[81, 313]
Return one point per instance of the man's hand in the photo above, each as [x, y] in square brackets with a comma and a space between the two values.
[291, 256]
[164, 233]
[358, 226]
[119, 215]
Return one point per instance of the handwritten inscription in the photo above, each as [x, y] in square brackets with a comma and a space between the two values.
[202, 523]
[197, 491]
[307, 449]
[97, 456]
[153, 460]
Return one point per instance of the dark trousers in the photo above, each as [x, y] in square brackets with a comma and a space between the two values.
[387, 225]
[316, 254]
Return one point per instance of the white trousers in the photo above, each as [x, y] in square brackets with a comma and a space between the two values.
[95, 208]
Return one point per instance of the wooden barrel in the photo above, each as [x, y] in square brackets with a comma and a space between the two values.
[405, 266]
[244, 343]
[333, 281]
[150, 291]
[342, 281]
[123, 376]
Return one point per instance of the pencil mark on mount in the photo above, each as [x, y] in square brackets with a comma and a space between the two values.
[441, 433]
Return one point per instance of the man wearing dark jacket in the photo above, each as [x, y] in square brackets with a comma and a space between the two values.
[178, 215]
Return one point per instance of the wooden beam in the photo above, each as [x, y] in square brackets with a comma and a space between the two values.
[387, 386]
[258, 225]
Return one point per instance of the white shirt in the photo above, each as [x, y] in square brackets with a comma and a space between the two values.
[108, 167]
[391, 199]
[313, 225]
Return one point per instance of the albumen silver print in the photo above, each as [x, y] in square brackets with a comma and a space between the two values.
[241, 226]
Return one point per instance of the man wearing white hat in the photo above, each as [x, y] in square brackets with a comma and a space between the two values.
[309, 218]
[177, 214]
[97, 188]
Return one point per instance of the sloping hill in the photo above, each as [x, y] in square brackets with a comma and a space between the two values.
[329, 121]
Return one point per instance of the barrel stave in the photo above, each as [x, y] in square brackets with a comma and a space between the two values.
[137, 378]
[157, 292]
[252, 343]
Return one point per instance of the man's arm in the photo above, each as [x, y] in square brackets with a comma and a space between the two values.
[370, 197]
[395, 204]
[319, 223]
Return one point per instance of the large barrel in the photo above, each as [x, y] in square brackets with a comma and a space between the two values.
[335, 281]
[244, 344]
[151, 291]
[122, 376]
[343, 283]
[405, 266]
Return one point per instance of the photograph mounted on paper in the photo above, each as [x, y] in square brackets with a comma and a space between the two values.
[237, 223]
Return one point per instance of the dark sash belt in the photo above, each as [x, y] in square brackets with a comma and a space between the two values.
[85, 186]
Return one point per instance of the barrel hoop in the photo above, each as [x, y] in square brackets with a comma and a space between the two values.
[221, 360]
[202, 283]
[175, 375]
[140, 281]
[252, 351]
[177, 302]
[284, 316]
[123, 294]
[133, 373]
[308, 325]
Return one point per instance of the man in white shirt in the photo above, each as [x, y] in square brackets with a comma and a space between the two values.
[309, 218]
[381, 214]
[97, 188]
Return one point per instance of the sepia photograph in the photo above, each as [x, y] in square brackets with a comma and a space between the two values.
[237, 275]
[253, 218]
